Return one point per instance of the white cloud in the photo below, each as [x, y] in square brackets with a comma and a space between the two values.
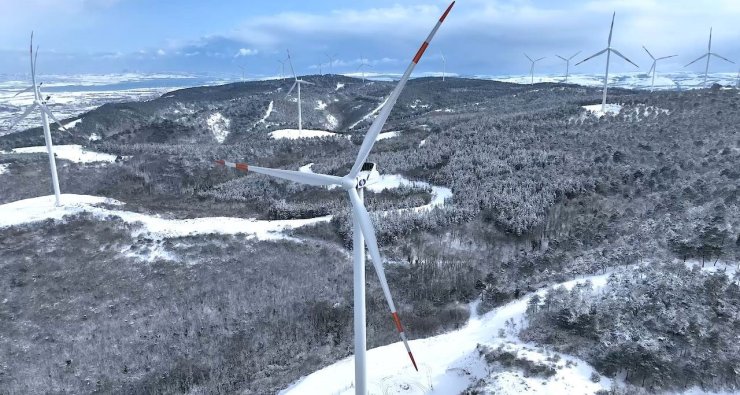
[161, 52]
[245, 52]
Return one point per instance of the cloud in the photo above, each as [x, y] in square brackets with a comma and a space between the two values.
[161, 52]
[246, 52]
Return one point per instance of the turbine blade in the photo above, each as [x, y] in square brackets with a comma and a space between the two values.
[652, 67]
[291, 89]
[564, 59]
[45, 109]
[22, 116]
[648, 52]
[697, 59]
[296, 176]
[624, 57]
[291, 65]
[666, 57]
[540, 58]
[530, 59]
[723, 58]
[363, 218]
[709, 47]
[611, 29]
[305, 82]
[29, 89]
[377, 125]
[593, 56]
[574, 55]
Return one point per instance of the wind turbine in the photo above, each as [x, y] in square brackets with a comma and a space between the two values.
[40, 103]
[362, 66]
[242, 69]
[531, 68]
[609, 50]
[444, 65]
[298, 82]
[737, 82]
[655, 62]
[567, 64]
[332, 58]
[708, 55]
[363, 231]
[282, 70]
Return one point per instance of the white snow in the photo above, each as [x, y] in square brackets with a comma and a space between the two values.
[609, 109]
[293, 134]
[94, 137]
[4, 168]
[42, 208]
[320, 105]
[339, 86]
[449, 363]
[331, 121]
[267, 113]
[72, 124]
[387, 135]
[422, 142]
[370, 114]
[377, 183]
[219, 126]
[73, 153]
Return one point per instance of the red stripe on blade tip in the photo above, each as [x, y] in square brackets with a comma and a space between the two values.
[221, 162]
[413, 361]
[242, 166]
[442, 19]
[420, 52]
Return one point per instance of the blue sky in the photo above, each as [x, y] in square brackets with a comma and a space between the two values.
[480, 36]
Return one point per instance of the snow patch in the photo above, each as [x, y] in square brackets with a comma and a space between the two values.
[386, 135]
[331, 121]
[73, 153]
[219, 126]
[4, 168]
[267, 113]
[42, 208]
[293, 134]
[72, 124]
[94, 137]
[609, 109]
[378, 183]
[320, 105]
[339, 86]
[422, 142]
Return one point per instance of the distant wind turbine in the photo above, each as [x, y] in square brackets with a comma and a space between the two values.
[567, 64]
[655, 62]
[708, 55]
[609, 50]
[531, 68]
[444, 65]
[282, 69]
[363, 65]
[298, 82]
[363, 233]
[40, 103]
[242, 69]
[331, 58]
[737, 83]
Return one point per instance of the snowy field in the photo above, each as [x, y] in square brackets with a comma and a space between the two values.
[73, 153]
[293, 134]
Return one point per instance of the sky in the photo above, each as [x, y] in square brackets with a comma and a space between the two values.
[480, 37]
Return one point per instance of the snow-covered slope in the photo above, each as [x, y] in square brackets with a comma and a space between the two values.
[73, 153]
[450, 363]
[302, 134]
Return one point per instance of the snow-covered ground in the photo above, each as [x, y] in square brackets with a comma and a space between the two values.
[293, 134]
[609, 109]
[42, 208]
[267, 113]
[377, 183]
[4, 168]
[370, 114]
[387, 135]
[219, 126]
[450, 363]
[73, 153]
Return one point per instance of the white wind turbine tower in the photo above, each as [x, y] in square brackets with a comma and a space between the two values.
[737, 82]
[567, 64]
[362, 67]
[363, 231]
[40, 103]
[298, 82]
[708, 55]
[531, 68]
[609, 50]
[444, 65]
[242, 69]
[655, 62]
